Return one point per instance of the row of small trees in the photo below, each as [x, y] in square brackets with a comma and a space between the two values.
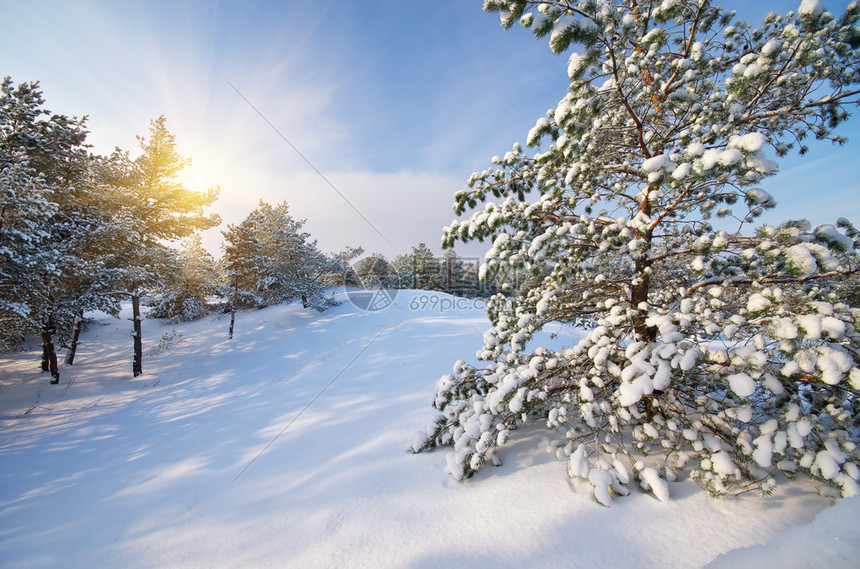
[80, 231]
[450, 273]
[421, 269]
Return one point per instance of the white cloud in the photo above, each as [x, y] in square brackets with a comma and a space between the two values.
[406, 208]
[396, 107]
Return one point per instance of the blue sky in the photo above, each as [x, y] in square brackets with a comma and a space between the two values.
[396, 102]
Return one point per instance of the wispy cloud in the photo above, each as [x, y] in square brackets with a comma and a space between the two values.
[395, 103]
[391, 201]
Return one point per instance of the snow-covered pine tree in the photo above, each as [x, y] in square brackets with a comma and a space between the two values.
[156, 209]
[455, 276]
[711, 350]
[271, 260]
[374, 271]
[401, 272]
[187, 287]
[50, 217]
[241, 249]
[25, 204]
[339, 270]
[419, 269]
[24, 248]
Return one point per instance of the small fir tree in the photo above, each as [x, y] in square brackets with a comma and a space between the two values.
[271, 260]
[419, 269]
[188, 286]
[339, 270]
[374, 271]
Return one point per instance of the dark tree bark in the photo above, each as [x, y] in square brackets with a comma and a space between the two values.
[76, 333]
[49, 354]
[233, 306]
[137, 362]
[639, 290]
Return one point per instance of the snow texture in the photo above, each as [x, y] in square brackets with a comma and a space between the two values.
[830, 234]
[601, 480]
[829, 541]
[811, 7]
[574, 64]
[800, 259]
[750, 143]
[285, 447]
[658, 486]
[742, 384]
[659, 162]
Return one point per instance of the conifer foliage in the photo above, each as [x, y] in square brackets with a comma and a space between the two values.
[188, 286]
[419, 269]
[156, 209]
[81, 232]
[713, 349]
[50, 262]
[269, 260]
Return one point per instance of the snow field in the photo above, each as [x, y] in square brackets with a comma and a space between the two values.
[286, 447]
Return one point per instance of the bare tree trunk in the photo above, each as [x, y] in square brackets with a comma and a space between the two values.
[233, 306]
[642, 283]
[76, 333]
[638, 296]
[45, 365]
[49, 355]
[137, 362]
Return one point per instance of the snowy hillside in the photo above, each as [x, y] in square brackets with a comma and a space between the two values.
[286, 447]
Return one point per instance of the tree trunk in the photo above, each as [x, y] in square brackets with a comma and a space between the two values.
[76, 333]
[137, 362]
[233, 306]
[639, 295]
[49, 355]
[642, 283]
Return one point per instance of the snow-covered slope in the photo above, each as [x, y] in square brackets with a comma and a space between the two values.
[286, 447]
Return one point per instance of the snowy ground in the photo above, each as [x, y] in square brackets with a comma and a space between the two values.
[285, 447]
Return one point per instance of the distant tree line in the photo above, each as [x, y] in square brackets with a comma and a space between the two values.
[82, 232]
[450, 273]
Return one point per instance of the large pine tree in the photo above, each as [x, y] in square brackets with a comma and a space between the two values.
[711, 350]
[156, 210]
